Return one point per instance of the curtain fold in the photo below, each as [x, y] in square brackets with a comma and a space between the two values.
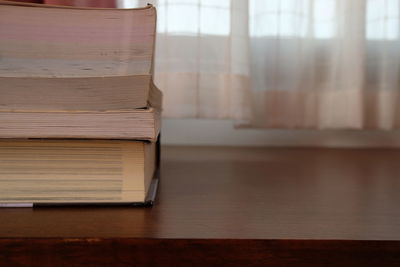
[317, 64]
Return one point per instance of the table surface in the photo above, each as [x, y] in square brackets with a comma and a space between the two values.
[243, 193]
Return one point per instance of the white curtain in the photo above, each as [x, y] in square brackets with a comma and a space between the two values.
[281, 63]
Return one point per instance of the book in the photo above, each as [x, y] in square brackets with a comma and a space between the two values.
[139, 124]
[79, 113]
[51, 87]
[119, 124]
[89, 93]
[71, 58]
[58, 172]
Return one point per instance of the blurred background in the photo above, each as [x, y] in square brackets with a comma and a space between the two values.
[276, 72]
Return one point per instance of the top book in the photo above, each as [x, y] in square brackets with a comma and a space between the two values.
[68, 58]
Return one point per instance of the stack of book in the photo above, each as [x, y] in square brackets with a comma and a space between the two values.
[79, 113]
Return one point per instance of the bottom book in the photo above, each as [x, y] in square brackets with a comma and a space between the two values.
[43, 172]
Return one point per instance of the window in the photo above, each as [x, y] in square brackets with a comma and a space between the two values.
[188, 17]
[383, 19]
[293, 18]
[324, 19]
[271, 18]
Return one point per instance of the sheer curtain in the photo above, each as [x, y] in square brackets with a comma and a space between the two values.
[280, 63]
[202, 58]
[325, 63]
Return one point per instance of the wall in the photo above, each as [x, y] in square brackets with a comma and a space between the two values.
[221, 132]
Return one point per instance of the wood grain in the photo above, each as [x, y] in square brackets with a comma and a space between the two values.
[184, 252]
[287, 206]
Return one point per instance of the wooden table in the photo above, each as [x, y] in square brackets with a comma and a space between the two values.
[286, 207]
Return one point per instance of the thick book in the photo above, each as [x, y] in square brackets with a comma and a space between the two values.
[120, 124]
[140, 124]
[80, 172]
[71, 58]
